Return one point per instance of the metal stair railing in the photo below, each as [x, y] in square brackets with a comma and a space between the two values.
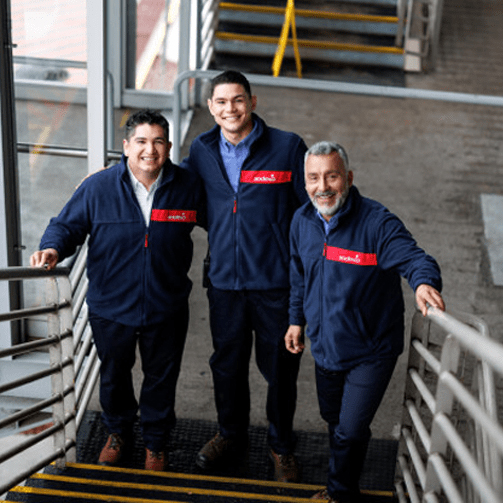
[73, 366]
[207, 28]
[319, 85]
[451, 446]
[422, 31]
[313, 19]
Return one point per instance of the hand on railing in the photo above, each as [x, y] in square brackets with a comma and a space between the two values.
[426, 296]
[47, 258]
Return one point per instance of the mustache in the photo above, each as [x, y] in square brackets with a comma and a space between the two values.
[327, 193]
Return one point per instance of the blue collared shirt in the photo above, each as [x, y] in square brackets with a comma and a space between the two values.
[326, 224]
[233, 156]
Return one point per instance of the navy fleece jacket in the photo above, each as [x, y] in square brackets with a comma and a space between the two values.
[137, 273]
[346, 285]
[248, 230]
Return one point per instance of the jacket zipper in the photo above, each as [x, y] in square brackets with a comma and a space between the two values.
[323, 264]
[236, 247]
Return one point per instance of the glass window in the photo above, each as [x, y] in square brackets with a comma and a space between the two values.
[157, 40]
[50, 40]
[49, 56]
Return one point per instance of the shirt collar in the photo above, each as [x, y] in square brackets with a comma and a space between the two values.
[341, 211]
[138, 185]
[245, 142]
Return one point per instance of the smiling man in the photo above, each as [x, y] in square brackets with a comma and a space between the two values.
[347, 255]
[254, 181]
[138, 215]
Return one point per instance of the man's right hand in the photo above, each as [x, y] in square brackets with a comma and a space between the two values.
[47, 258]
[294, 339]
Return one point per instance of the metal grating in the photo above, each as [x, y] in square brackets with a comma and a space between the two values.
[190, 435]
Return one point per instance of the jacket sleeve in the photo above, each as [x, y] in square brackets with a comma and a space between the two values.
[190, 162]
[296, 311]
[202, 205]
[185, 164]
[398, 250]
[70, 228]
[299, 183]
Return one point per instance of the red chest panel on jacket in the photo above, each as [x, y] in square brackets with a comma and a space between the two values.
[173, 216]
[266, 177]
[349, 256]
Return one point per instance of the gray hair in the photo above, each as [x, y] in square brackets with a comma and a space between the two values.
[326, 148]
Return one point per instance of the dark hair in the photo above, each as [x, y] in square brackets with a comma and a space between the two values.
[230, 77]
[146, 116]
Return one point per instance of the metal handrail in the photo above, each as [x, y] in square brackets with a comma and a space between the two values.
[326, 86]
[74, 365]
[26, 347]
[79, 153]
[442, 412]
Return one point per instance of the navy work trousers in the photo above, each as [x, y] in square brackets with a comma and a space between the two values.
[348, 402]
[234, 316]
[160, 347]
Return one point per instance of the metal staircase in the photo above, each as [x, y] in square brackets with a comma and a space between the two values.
[248, 478]
[84, 482]
[398, 34]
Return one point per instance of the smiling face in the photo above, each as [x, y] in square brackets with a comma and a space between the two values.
[232, 108]
[327, 183]
[147, 150]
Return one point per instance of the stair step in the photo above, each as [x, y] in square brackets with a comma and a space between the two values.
[308, 20]
[82, 482]
[93, 480]
[354, 33]
[328, 4]
[312, 44]
[252, 479]
[360, 54]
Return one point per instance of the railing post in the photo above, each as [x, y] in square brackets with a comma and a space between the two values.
[68, 371]
[55, 357]
[436, 21]
[58, 323]
[444, 401]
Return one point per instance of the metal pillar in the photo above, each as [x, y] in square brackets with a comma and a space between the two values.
[96, 85]
[10, 231]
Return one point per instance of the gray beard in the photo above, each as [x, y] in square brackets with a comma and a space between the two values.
[330, 210]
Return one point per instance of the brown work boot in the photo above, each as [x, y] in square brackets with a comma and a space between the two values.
[113, 451]
[286, 468]
[324, 496]
[156, 461]
[216, 450]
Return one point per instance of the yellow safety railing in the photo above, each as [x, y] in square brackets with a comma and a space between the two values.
[283, 41]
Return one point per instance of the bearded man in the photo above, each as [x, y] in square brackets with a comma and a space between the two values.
[348, 253]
